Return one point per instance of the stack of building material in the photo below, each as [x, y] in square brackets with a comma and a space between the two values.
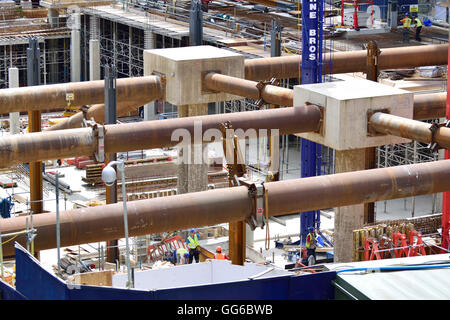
[427, 225]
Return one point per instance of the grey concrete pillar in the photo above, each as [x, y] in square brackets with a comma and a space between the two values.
[75, 50]
[94, 29]
[347, 218]
[14, 121]
[192, 173]
[149, 43]
[94, 60]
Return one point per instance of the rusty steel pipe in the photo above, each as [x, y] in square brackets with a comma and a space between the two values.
[97, 112]
[429, 106]
[212, 207]
[426, 106]
[249, 89]
[148, 134]
[106, 222]
[343, 189]
[349, 61]
[84, 93]
[411, 129]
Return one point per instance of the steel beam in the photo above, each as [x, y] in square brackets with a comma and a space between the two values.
[212, 207]
[96, 112]
[34, 125]
[429, 106]
[84, 93]
[249, 89]
[411, 129]
[426, 106]
[350, 61]
[149, 134]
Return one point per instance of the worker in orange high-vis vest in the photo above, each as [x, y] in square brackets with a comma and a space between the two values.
[406, 27]
[219, 255]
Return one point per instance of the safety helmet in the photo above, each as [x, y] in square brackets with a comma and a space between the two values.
[219, 249]
[310, 229]
[407, 14]
[192, 230]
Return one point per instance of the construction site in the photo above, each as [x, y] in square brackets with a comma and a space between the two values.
[224, 150]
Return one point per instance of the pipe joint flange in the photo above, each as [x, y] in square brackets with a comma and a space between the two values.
[257, 219]
[260, 86]
[434, 127]
[84, 109]
[99, 133]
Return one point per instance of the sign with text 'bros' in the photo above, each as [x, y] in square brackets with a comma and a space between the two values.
[311, 41]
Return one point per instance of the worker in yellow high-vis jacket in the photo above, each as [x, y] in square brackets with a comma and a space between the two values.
[192, 243]
[406, 27]
[418, 24]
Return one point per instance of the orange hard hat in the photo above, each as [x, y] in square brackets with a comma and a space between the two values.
[219, 249]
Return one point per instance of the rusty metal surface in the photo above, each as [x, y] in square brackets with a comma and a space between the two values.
[343, 189]
[97, 112]
[411, 129]
[349, 61]
[149, 134]
[144, 217]
[41, 146]
[84, 93]
[249, 89]
[35, 168]
[152, 134]
[212, 207]
[429, 106]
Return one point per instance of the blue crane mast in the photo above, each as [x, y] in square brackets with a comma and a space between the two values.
[311, 72]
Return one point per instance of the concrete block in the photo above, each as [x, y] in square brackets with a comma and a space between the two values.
[184, 68]
[347, 105]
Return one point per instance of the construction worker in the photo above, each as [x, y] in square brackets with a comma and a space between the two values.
[182, 256]
[418, 24]
[311, 245]
[192, 243]
[219, 255]
[406, 27]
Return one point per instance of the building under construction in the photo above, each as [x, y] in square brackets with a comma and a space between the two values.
[308, 140]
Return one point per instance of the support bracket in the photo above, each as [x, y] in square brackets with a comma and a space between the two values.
[434, 127]
[260, 85]
[257, 219]
[99, 133]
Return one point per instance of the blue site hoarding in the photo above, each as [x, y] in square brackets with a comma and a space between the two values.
[35, 283]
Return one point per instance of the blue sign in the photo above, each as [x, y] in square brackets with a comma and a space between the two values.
[311, 72]
[312, 16]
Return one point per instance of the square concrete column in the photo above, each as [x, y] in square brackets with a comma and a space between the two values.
[94, 60]
[192, 176]
[14, 117]
[347, 106]
[75, 48]
[347, 218]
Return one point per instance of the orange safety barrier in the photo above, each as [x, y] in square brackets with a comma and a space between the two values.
[399, 246]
